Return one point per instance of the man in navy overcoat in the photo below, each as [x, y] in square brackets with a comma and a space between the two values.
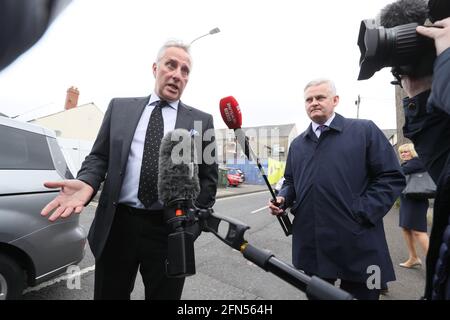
[342, 178]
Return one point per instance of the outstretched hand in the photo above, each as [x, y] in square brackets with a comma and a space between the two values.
[73, 196]
[441, 34]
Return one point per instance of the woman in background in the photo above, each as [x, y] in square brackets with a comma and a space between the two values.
[413, 212]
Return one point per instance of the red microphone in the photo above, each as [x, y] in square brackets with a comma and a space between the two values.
[232, 116]
[231, 113]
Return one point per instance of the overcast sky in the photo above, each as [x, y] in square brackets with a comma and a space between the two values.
[264, 55]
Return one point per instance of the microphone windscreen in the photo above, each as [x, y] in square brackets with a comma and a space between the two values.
[404, 12]
[178, 171]
[231, 112]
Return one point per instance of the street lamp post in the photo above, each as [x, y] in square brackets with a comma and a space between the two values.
[357, 103]
[213, 31]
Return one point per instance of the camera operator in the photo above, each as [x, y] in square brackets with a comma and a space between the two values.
[399, 39]
[427, 124]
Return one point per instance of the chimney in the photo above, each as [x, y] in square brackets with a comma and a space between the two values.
[72, 98]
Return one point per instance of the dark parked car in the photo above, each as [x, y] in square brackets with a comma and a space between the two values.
[32, 249]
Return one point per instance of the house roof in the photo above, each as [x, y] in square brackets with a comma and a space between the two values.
[70, 110]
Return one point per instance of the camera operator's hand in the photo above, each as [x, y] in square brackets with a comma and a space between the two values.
[414, 86]
[275, 207]
[441, 35]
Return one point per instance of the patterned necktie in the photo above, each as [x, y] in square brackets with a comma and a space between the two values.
[322, 128]
[148, 182]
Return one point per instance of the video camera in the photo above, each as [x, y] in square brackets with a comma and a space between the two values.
[393, 41]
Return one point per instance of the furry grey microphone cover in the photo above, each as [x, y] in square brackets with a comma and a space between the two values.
[178, 171]
[403, 12]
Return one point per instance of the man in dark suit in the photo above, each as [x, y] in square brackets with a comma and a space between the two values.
[342, 177]
[128, 231]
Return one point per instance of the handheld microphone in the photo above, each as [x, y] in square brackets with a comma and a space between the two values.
[178, 187]
[231, 112]
[232, 116]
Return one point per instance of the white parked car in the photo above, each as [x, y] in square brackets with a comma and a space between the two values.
[32, 249]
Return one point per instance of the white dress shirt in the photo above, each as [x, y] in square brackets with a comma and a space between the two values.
[130, 184]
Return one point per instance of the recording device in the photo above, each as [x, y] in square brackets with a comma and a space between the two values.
[22, 24]
[392, 41]
[314, 287]
[178, 187]
[232, 116]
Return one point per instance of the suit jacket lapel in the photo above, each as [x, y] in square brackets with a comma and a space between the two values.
[184, 117]
[133, 115]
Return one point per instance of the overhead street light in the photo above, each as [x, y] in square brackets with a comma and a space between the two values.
[213, 31]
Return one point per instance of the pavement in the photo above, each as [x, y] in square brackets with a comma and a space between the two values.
[410, 282]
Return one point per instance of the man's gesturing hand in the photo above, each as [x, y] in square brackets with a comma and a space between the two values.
[73, 196]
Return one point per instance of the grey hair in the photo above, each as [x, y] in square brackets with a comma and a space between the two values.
[318, 82]
[172, 44]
